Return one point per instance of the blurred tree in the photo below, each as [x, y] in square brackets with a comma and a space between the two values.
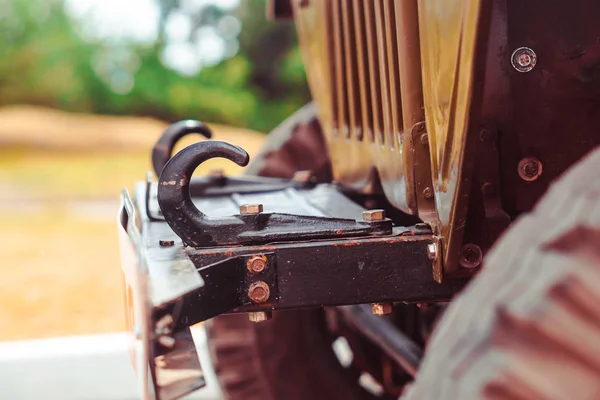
[45, 60]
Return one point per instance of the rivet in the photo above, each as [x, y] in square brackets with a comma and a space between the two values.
[523, 59]
[530, 168]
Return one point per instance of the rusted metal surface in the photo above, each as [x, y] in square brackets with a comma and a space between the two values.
[163, 149]
[250, 226]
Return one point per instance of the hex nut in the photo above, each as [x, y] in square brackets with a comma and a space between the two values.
[432, 251]
[259, 316]
[257, 263]
[381, 308]
[302, 176]
[259, 292]
[251, 209]
[374, 215]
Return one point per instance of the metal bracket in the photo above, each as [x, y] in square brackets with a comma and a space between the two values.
[199, 230]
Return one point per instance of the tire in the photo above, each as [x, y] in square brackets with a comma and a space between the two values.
[290, 356]
[528, 327]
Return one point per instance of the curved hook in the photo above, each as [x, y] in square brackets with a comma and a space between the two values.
[163, 149]
[174, 196]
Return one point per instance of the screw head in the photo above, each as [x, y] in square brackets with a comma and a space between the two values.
[424, 139]
[428, 193]
[166, 243]
[259, 316]
[374, 215]
[381, 308]
[251, 209]
[257, 263]
[530, 168]
[259, 292]
[471, 256]
[432, 251]
[523, 59]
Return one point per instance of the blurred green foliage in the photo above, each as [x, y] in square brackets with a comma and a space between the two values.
[44, 60]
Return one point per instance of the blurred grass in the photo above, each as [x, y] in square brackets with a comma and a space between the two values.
[58, 202]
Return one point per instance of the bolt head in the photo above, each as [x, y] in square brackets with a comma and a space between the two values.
[251, 209]
[424, 139]
[471, 256]
[259, 316]
[530, 168]
[259, 292]
[381, 308]
[523, 59]
[374, 215]
[428, 193]
[257, 264]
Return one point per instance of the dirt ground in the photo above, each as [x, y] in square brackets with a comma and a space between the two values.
[60, 178]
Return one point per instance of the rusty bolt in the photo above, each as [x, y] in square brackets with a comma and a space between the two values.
[530, 168]
[259, 292]
[166, 243]
[259, 316]
[432, 251]
[381, 308]
[487, 189]
[257, 263]
[374, 215]
[424, 139]
[471, 256]
[302, 176]
[523, 59]
[428, 193]
[251, 209]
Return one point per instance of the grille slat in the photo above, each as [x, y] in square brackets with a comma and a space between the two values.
[374, 81]
[351, 71]
[363, 70]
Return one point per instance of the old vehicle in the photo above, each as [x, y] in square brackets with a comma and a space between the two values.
[435, 124]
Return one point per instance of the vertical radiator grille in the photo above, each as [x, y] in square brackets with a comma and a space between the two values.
[363, 48]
